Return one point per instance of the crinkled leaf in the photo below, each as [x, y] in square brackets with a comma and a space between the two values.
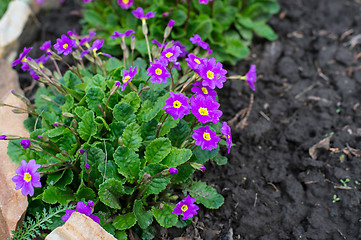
[94, 96]
[123, 112]
[85, 193]
[148, 110]
[220, 160]
[204, 155]
[144, 218]
[149, 130]
[206, 195]
[111, 170]
[132, 136]
[53, 195]
[110, 193]
[128, 163]
[69, 103]
[80, 111]
[124, 222]
[158, 183]
[177, 157]
[117, 129]
[133, 100]
[157, 150]
[164, 215]
[168, 124]
[65, 180]
[86, 127]
[178, 134]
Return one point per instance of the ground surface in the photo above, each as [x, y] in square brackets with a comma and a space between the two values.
[308, 87]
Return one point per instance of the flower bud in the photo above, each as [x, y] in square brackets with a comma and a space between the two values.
[132, 43]
[10, 137]
[74, 123]
[25, 143]
[197, 166]
[36, 148]
[173, 170]
[144, 27]
[3, 137]
[86, 166]
[66, 114]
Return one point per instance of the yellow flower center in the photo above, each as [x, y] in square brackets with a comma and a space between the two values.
[95, 51]
[41, 65]
[24, 59]
[168, 55]
[126, 79]
[27, 177]
[177, 104]
[65, 46]
[210, 74]
[158, 71]
[126, 1]
[207, 136]
[197, 61]
[184, 208]
[203, 111]
[204, 90]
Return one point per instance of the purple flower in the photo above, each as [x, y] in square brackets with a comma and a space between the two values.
[87, 166]
[139, 13]
[72, 33]
[194, 62]
[182, 48]
[205, 109]
[125, 4]
[177, 105]
[33, 75]
[81, 151]
[22, 56]
[87, 38]
[186, 207]
[24, 64]
[206, 138]
[2, 137]
[173, 170]
[46, 46]
[196, 39]
[128, 76]
[171, 23]
[158, 43]
[204, 1]
[251, 77]
[212, 73]
[87, 1]
[97, 44]
[64, 45]
[171, 54]
[199, 89]
[157, 71]
[40, 136]
[127, 33]
[226, 130]
[27, 178]
[42, 60]
[203, 168]
[25, 143]
[83, 208]
[40, 2]
[107, 55]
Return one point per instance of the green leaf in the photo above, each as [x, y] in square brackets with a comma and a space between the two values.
[164, 216]
[178, 134]
[265, 31]
[133, 100]
[157, 150]
[177, 157]
[110, 192]
[121, 235]
[149, 130]
[206, 195]
[204, 155]
[97, 81]
[179, 16]
[112, 64]
[53, 195]
[220, 160]
[234, 45]
[95, 157]
[80, 111]
[144, 218]
[226, 16]
[86, 127]
[85, 193]
[148, 111]
[65, 180]
[117, 129]
[71, 79]
[111, 170]
[94, 96]
[244, 21]
[123, 112]
[17, 153]
[128, 163]
[69, 103]
[124, 222]
[157, 183]
[93, 17]
[132, 137]
[168, 125]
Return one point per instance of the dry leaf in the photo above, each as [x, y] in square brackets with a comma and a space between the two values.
[323, 145]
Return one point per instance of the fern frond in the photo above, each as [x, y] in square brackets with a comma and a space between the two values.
[31, 228]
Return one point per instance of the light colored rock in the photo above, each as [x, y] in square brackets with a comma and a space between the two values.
[11, 27]
[12, 203]
[8, 79]
[79, 227]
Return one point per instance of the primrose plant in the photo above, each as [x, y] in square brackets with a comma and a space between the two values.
[121, 139]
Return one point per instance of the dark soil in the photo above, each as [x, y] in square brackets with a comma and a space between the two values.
[309, 85]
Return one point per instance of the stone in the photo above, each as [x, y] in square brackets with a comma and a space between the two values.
[12, 25]
[8, 79]
[12, 203]
[344, 56]
[80, 227]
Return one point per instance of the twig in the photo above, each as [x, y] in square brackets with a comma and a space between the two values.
[243, 122]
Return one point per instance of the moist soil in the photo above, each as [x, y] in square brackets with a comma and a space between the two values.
[308, 89]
